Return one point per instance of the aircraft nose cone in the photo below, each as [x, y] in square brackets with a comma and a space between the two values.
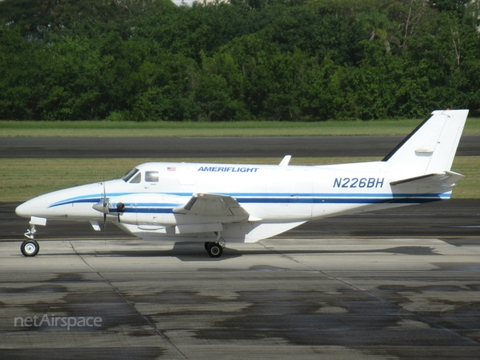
[23, 210]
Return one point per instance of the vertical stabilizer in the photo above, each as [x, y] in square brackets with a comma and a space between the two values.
[431, 147]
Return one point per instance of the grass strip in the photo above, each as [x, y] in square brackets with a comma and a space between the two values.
[22, 179]
[196, 129]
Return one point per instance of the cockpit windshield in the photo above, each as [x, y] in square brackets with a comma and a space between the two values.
[130, 174]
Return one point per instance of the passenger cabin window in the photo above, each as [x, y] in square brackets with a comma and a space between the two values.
[151, 176]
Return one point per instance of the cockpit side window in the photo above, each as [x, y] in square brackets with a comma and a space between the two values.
[136, 179]
[130, 174]
[151, 176]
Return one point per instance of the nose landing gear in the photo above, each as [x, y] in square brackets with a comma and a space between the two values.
[30, 234]
[30, 247]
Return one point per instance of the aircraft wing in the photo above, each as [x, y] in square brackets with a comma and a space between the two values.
[429, 182]
[213, 205]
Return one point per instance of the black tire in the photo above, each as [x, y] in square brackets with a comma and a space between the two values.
[207, 245]
[30, 248]
[215, 250]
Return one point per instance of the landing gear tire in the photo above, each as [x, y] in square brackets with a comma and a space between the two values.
[214, 250]
[30, 248]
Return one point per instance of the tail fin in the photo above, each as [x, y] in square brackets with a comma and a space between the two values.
[431, 147]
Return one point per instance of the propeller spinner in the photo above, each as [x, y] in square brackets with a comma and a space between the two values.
[102, 206]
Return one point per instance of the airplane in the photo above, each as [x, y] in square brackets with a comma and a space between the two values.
[216, 204]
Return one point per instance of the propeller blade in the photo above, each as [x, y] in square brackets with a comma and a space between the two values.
[105, 202]
[102, 206]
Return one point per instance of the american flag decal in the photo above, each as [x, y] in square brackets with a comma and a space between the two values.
[171, 168]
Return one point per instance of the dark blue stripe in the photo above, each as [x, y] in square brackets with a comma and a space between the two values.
[278, 201]
[144, 210]
[418, 199]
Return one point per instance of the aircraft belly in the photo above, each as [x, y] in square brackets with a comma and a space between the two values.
[288, 212]
[151, 232]
[232, 233]
[326, 210]
[329, 210]
[253, 232]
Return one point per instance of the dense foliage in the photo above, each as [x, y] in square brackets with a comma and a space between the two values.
[249, 59]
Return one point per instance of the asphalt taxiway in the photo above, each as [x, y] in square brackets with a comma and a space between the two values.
[213, 147]
[276, 299]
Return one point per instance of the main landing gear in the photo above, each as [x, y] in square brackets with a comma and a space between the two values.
[215, 249]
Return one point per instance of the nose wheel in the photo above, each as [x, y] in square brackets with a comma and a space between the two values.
[30, 248]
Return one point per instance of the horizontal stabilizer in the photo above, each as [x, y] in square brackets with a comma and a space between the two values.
[212, 205]
[439, 181]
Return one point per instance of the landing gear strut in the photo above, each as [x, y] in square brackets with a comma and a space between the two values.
[30, 234]
[30, 247]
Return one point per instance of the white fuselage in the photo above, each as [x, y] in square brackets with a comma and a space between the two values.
[276, 198]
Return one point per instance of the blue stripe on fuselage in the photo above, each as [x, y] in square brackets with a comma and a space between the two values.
[268, 198]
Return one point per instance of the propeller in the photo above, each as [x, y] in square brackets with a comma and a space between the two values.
[102, 206]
